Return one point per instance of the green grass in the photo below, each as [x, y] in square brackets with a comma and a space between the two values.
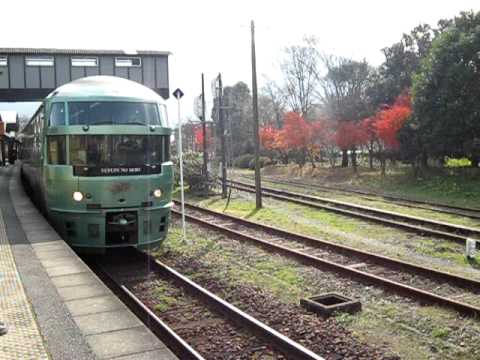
[161, 295]
[274, 272]
[164, 303]
[378, 202]
[352, 232]
[456, 187]
[440, 332]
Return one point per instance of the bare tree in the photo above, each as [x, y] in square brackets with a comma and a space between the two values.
[343, 89]
[344, 93]
[300, 73]
[272, 104]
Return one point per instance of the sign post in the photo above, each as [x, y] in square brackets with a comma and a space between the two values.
[178, 95]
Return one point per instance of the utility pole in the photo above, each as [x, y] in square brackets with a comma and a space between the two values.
[204, 131]
[221, 124]
[258, 182]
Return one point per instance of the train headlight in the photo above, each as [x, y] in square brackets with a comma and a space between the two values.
[157, 193]
[77, 196]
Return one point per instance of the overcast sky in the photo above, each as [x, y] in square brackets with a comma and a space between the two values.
[214, 36]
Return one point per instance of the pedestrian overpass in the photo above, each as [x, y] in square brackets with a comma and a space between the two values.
[28, 74]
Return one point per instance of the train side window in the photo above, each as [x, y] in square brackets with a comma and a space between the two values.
[56, 150]
[163, 115]
[166, 148]
[57, 114]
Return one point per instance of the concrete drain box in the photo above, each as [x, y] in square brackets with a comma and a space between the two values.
[326, 304]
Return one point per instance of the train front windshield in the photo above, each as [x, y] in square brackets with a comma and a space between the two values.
[118, 150]
[115, 113]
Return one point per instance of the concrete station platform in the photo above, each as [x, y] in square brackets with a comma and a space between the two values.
[53, 304]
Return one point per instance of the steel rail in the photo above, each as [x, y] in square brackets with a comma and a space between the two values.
[289, 347]
[449, 232]
[166, 334]
[347, 250]
[412, 203]
[397, 287]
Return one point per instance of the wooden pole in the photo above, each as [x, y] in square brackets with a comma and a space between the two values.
[204, 130]
[258, 182]
[222, 136]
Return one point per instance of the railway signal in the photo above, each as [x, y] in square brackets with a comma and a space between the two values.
[178, 94]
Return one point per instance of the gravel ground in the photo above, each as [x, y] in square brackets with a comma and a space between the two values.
[392, 325]
[207, 331]
[323, 336]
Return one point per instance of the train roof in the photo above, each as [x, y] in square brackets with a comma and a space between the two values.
[105, 87]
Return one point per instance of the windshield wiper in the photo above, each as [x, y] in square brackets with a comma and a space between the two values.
[134, 123]
[102, 123]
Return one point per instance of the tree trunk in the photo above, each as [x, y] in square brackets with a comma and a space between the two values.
[332, 158]
[312, 160]
[383, 163]
[370, 158]
[424, 160]
[353, 155]
[475, 159]
[344, 158]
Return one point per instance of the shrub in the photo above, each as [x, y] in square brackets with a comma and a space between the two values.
[192, 172]
[243, 161]
[455, 163]
[264, 161]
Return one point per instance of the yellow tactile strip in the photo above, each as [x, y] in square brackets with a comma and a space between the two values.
[23, 340]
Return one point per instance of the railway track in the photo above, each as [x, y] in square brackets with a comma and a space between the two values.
[452, 232]
[200, 318]
[370, 196]
[410, 280]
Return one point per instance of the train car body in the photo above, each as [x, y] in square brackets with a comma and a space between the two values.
[96, 156]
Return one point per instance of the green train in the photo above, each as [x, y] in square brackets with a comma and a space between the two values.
[96, 157]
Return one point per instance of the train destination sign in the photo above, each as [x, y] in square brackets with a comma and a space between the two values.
[116, 170]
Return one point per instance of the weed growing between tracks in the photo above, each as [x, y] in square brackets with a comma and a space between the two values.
[387, 321]
[265, 286]
[422, 250]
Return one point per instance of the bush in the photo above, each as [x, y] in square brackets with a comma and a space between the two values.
[243, 161]
[192, 172]
[455, 163]
[264, 161]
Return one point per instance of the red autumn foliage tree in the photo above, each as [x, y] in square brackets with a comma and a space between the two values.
[198, 133]
[383, 127]
[268, 137]
[371, 137]
[295, 134]
[299, 135]
[323, 139]
[391, 120]
[350, 135]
